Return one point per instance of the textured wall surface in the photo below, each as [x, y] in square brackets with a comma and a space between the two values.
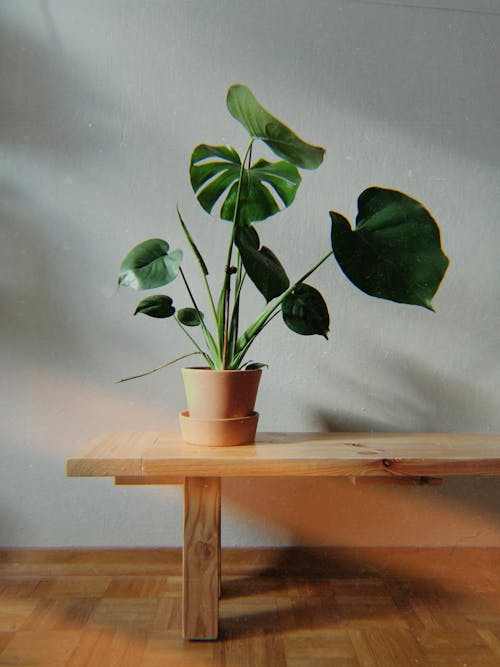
[101, 104]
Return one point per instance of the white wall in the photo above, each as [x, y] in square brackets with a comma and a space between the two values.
[101, 104]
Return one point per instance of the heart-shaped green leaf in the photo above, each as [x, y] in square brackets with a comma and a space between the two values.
[305, 312]
[260, 124]
[395, 250]
[266, 188]
[158, 305]
[190, 317]
[149, 265]
[261, 264]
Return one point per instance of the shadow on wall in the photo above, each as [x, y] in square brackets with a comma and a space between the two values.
[463, 511]
[46, 96]
[413, 68]
[413, 397]
[46, 101]
[32, 299]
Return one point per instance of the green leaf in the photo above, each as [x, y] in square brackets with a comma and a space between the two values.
[254, 366]
[168, 363]
[261, 264]
[266, 188]
[158, 305]
[260, 124]
[305, 312]
[194, 248]
[190, 317]
[149, 265]
[395, 250]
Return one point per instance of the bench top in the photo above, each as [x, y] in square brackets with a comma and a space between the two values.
[156, 454]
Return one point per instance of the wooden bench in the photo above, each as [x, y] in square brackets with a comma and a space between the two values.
[163, 458]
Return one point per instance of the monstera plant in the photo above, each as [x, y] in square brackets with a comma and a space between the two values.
[392, 251]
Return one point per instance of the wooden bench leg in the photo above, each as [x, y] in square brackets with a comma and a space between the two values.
[201, 557]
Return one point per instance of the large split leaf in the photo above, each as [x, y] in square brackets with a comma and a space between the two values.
[149, 265]
[260, 124]
[261, 264]
[305, 312]
[266, 188]
[158, 305]
[395, 250]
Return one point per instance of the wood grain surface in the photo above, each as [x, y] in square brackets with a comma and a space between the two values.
[201, 557]
[374, 607]
[153, 454]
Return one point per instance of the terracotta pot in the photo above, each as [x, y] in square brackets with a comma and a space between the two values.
[220, 406]
[220, 394]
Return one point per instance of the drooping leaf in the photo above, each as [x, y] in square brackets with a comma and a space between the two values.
[305, 312]
[261, 264]
[189, 317]
[149, 265]
[158, 305]
[159, 368]
[266, 188]
[394, 252]
[260, 124]
[196, 252]
[254, 366]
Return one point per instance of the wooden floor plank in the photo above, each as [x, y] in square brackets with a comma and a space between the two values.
[278, 609]
[41, 648]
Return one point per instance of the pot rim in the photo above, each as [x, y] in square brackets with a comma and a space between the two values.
[226, 370]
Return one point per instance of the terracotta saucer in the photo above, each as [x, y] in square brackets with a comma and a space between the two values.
[219, 432]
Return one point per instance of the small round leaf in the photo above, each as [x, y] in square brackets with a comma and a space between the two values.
[158, 305]
[305, 312]
[189, 317]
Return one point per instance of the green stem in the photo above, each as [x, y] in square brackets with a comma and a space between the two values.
[201, 262]
[208, 336]
[247, 338]
[169, 363]
[235, 316]
[238, 358]
[226, 289]
[193, 341]
[212, 304]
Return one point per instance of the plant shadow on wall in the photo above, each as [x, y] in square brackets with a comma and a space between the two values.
[393, 252]
[411, 395]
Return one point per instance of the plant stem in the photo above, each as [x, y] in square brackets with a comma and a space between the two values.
[169, 363]
[211, 299]
[193, 341]
[201, 262]
[226, 289]
[235, 318]
[247, 338]
[183, 276]
[208, 336]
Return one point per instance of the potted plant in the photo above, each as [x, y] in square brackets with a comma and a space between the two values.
[392, 252]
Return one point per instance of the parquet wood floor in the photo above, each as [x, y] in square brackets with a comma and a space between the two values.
[279, 608]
